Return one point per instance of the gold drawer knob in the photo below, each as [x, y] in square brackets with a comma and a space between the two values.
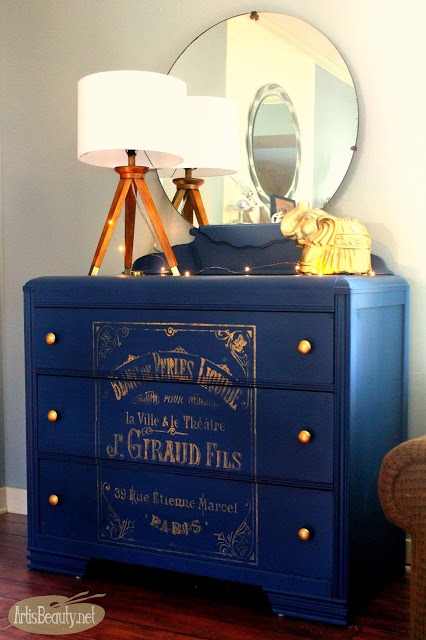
[304, 436]
[53, 500]
[50, 338]
[304, 347]
[304, 534]
[52, 415]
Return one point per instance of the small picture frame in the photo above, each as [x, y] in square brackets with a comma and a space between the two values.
[279, 206]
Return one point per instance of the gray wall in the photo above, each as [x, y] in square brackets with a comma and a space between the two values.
[53, 207]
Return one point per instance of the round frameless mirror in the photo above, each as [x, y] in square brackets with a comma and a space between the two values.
[297, 114]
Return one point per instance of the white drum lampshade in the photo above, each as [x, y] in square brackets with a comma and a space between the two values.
[129, 110]
[211, 145]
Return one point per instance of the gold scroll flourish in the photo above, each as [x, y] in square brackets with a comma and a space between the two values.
[115, 528]
[236, 343]
[109, 338]
[238, 543]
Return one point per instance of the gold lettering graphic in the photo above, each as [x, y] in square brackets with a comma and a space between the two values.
[176, 528]
[134, 448]
[219, 459]
[179, 502]
[135, 374]
[136, 497]
[168, 455]
[120, 494]
[122, 387]
[215, 382]
[170, 423]
[205, 505]
[153, 450]
[173, 367]
[173, 399]
[149, 397]
[147, 419]
[206, 424]
[113, 449]
[202, 402]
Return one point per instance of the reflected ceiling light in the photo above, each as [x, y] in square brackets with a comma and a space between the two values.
[125, 121]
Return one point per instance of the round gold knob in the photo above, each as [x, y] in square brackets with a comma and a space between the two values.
[53, 500]
[50, 338]
[304, 534]
[304, 436]
[304, 346]
[52, 415]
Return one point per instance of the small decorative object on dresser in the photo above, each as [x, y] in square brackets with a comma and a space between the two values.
[329, 244]
[279, 206]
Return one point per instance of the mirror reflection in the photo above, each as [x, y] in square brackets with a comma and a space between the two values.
[273, 144]
[297, 113]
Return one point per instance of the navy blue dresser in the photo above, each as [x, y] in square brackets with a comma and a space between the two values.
[231, 427]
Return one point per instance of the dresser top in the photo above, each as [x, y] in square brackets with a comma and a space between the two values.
[236, 292]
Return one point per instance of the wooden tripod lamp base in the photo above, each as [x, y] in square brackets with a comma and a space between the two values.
[187, 190]
[132, 182]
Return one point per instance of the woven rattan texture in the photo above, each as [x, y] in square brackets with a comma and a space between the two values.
[402, 492]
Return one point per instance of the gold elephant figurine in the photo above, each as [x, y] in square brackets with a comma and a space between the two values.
[329, 244]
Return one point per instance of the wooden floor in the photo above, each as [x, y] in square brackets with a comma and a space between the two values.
[142, 604]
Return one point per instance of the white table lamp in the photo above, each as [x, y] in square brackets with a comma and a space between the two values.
[126, 121]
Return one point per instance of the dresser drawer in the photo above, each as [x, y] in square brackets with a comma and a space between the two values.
[280, 435]
[296, 531]
[67, 499]
[66, 415]
[268, 349]
[276, 529]
[294, 433]
[63, 339]
[295, 349]
[225, 520]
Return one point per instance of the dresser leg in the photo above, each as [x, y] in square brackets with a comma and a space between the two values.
[310, 608]
[57, 562]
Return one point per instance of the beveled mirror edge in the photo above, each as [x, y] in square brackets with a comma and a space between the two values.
[272, 89]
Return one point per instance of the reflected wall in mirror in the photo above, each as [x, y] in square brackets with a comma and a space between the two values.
[273, 143]
[297, 110]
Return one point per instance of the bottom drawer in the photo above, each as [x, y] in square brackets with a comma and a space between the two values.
[67, 499]
[296, 531]
[282, 530]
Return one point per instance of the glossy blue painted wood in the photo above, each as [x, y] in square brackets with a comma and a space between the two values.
[180, 402]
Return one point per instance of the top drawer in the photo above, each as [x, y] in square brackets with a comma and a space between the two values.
[261, 348]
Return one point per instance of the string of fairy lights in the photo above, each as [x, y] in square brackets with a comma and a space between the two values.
[214, 269]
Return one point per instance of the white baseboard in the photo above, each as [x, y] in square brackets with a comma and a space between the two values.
[15, 500]
[3, 503]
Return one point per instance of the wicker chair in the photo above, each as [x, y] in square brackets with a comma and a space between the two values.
[402, 492]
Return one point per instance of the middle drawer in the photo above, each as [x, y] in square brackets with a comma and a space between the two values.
[269, 434]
